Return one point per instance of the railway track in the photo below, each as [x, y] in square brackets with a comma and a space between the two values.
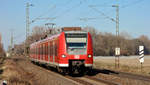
[81, 80]
[108, 82]
[124, 74]
[88, 80]
[133, 76]
[98, 80]
[94, 80]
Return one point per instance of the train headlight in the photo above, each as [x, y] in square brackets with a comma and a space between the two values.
[89, 56]
[63, 56]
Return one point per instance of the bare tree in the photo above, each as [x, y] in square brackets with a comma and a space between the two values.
[103, 43]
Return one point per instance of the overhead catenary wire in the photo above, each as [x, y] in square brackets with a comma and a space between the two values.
[54, 13]
[85, 19]
[107, 17]
[70, 9]
[64, 5]
[106, 4]
[132, 3]
[43, 14]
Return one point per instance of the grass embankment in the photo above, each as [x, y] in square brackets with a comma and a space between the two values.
[13, 73]
[127, 64]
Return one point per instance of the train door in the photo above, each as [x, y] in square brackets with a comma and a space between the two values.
[55, 47]
[38, 52]
[48, 53]
[44, 51]
[35, 52]
[53, 52]
[51, 57]
[41, 52]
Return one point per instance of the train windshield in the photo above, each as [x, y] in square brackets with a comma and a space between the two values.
[76, 43]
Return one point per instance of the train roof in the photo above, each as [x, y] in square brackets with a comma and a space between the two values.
[56, 35]
[75, 32]
[48, 38]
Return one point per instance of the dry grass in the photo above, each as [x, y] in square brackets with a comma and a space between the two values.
[14, 74]
[127, 64]
[20, 71]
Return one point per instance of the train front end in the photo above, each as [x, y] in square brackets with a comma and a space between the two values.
[76, 51]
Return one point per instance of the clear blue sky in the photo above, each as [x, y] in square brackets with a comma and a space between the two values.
[134, 16]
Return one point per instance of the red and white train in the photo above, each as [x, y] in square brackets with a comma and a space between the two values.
[68, 51]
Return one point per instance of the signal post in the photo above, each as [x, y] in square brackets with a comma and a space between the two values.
[117, 55]
[141, 56]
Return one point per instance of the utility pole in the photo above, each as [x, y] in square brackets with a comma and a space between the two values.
[117, 60]
[11, 43]
[117, 20]
[117, 49]
[27, 20]
[27, 26]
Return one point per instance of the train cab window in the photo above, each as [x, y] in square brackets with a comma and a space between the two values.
[76, 45]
